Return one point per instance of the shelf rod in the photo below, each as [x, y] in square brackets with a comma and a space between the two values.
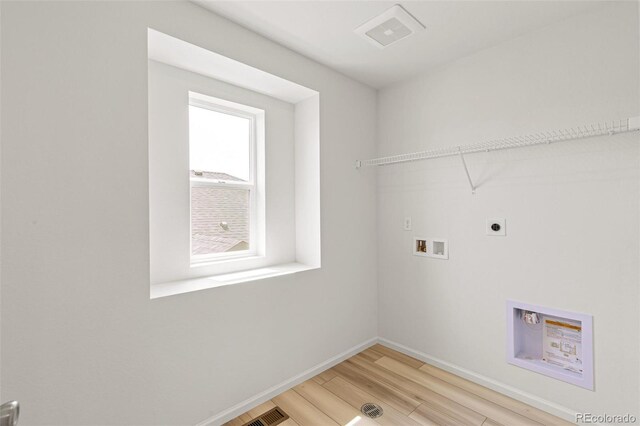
[581, 132]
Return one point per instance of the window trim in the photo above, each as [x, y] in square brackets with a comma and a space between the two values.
[255, 233]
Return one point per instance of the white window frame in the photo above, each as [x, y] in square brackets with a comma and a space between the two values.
[255, 116]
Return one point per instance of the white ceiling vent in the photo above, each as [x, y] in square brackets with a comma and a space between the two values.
[389, 27]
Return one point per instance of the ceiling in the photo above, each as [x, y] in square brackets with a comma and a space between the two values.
[323, 30]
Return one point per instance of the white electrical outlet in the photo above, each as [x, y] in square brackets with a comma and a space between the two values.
[407, 223]
[497, 227]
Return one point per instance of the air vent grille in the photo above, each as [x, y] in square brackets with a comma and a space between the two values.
[272, 417]
[371, 410]
[387, 28]
[388, 32]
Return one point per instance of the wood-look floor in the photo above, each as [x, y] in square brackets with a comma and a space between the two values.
[409, 391]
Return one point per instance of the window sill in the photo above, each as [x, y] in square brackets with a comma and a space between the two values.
[186, 286]
[214, 261]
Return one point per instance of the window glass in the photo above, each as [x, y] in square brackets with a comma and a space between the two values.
[219, 143]
[219, 219]
[222, 183]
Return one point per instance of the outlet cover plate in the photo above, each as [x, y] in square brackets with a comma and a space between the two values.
[497, 223]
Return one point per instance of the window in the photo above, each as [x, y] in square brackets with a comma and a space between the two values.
[204, 150]
[222, 174]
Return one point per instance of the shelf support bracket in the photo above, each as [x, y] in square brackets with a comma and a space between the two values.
[466, 170]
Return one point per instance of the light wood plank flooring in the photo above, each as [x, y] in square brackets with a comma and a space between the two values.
[409, 391]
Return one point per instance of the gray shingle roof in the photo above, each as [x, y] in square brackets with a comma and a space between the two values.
[215, 175]
[219, 216]
[207, 244]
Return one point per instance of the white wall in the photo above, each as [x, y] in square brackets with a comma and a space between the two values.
[571, 209]
[82, 343]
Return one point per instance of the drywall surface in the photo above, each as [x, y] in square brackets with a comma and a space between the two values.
[571, 209]
[307, 185]
[82, 344]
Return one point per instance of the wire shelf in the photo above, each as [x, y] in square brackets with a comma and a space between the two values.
[542, 138]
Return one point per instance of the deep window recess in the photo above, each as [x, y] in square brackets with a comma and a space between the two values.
[222, 174]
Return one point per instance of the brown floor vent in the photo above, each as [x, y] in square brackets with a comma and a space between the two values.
[272, 417]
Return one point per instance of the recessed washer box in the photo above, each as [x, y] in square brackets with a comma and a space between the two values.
[437, 248]
[558, 345]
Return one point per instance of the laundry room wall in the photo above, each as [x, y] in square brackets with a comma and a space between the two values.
[571, 208]
[82, 343]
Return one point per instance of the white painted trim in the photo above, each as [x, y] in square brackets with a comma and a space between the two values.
[255, 186]
[196, 284]
[527, 398]
[178, 53]
[273, 391]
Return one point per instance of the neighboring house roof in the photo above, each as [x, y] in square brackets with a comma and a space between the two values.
[214, 175]
[219, 215]
[207, 244]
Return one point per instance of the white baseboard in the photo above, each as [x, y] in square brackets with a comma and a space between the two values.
[273, 391]
[527, 398]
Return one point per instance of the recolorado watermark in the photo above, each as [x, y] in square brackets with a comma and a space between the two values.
[590, 418]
